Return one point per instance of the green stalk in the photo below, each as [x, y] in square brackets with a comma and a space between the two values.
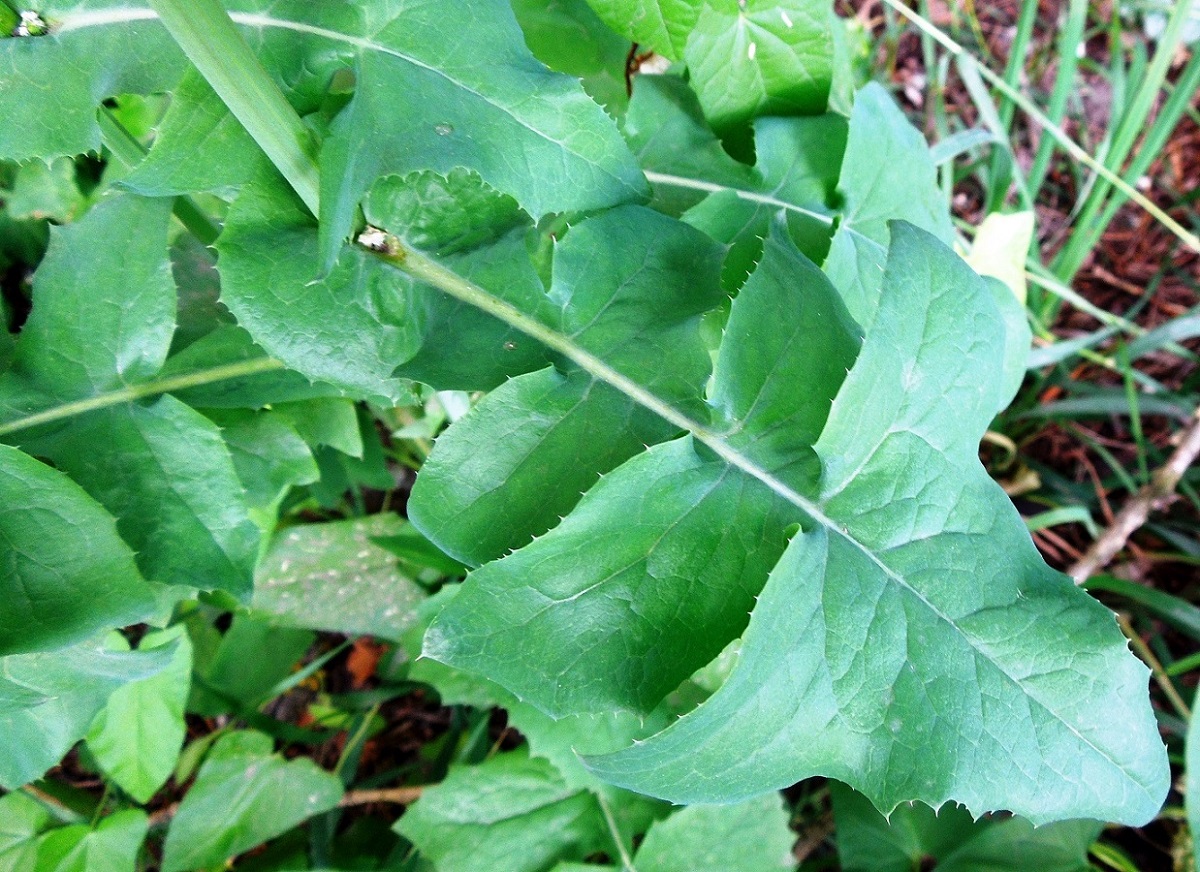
[213, 43]
[1131, 126]
[1002, 162]
[224, 372]
[1191, 240]
[130, 152]
[1064, 86]
[1177, 105]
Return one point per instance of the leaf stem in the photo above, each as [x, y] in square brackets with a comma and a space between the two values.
[615, 831]
[224, 372]
[750, 196]
[211, 41]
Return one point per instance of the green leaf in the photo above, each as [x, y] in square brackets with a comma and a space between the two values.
[163, 470]
[43, 189]
[48, 700]
[752, 836]
[268, 454]
[629, 285]
[243, 796]
[887, 174]
[796, 171]
[334, 577]
[913, 561]
[104, 302]
[103, 315]
[511, 812]
[253, 656]
[421, 102]
[22, 821]
[268, 259]
[666, 130]
[568, 37]
[999, 249]
[199, 146]
[137, 737]
[662, 25]
[645, 529]
[760, 57]
[96, 49]
[111, 846]
[911, 611]
[916, 836]
[66, 573]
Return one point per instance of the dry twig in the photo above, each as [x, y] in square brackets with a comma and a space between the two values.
[1150, 497]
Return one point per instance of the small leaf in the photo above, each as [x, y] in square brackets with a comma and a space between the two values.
[137, 737]
[199, 145]
[22, 821]
[795, 174]
[333, 577]
[752, 836]
[915, 836]
[43, 189]
[887, 174]
[760, 57]
[268, 260]
[110, 846]
[48, 700]
[268, 454]
[510, 812]
[253, 656]
[662, 25]
[999, 249]
[243, 796]
[66, 574]
[570, 38]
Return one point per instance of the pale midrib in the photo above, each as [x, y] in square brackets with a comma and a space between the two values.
[741, 193]
[111, 17]
[423, 268]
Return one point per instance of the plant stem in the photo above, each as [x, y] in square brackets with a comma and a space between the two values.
[129, 151]
[147, 389]
[213, 43]
[393, 795]
[615, 832]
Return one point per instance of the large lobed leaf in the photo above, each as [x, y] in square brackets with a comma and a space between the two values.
[909, 613]
[102, 320]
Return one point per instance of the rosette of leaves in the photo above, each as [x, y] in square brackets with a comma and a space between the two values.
[817, 495]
